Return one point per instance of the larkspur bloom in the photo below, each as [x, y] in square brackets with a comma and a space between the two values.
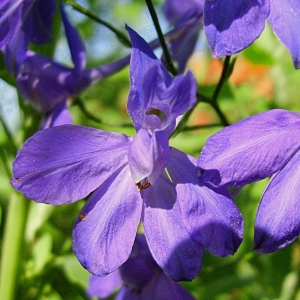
[187, 19]
[231, 26]
[140, 278]
[47, 84]
[180, 215]
[30, 18]
[263, 145]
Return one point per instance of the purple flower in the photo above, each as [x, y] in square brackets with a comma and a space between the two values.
[187, 19]
[32, 17]
[132, 179]
[48, 85]
[263, 145]
[233, 25]
[139, 278]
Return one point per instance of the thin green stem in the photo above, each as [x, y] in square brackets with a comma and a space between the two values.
[223, 78]
[197, 127]
[168, 57]
[78, 101]
[121, 36]
[12, 245]
[5, 162]
[9, 136]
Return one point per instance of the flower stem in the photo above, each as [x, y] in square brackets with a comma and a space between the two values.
[223, 78]
[169, 61]
[12, 245]
[121, 36]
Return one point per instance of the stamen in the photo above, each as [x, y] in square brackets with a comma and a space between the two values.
[82, 216]
[142, 186]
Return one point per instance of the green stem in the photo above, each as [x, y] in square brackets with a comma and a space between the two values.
[12, 245]
[78, 101]
[197, 127]
[223, 78]
[121, 36]
[168, 57]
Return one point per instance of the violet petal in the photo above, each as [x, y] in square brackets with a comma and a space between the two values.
[284, 18]
[170, 244]
[277, 222]
[102, 287]
[105, 230]
[251, 149]
[65, 163]
[210, 215]
[233, 25]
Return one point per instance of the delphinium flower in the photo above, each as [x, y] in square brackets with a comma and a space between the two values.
[139, 278]
[47, 84]
[263, 145]
[186, 17]
[132, 179]
[231, 26]
[31, 18]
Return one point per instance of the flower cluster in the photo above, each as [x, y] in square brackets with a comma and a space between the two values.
[133, 179]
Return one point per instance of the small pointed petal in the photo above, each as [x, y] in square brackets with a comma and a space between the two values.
[59, 116]
[105, 230]
[75, 42]
[37, 18]
[103, 287]
[233, 25]
[210, 216]
[284, 18]
[170, 244]
[251, 149]
[148, 155]
[65, 163]
[277, 222]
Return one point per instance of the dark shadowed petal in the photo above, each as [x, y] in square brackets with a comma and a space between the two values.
[148, 155]
[251, 149]
[233, 25]
[45, 83]
[10, 16]
[284, 18]
[209, 215]
[183, 47]
[277, 222]
[187, 18]
[102, 287]
[140, 267]
[127, 294]
[59, 116]
[170, 244]
[105, 230]
[37, 18]
[162, 286]
[65, 163]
